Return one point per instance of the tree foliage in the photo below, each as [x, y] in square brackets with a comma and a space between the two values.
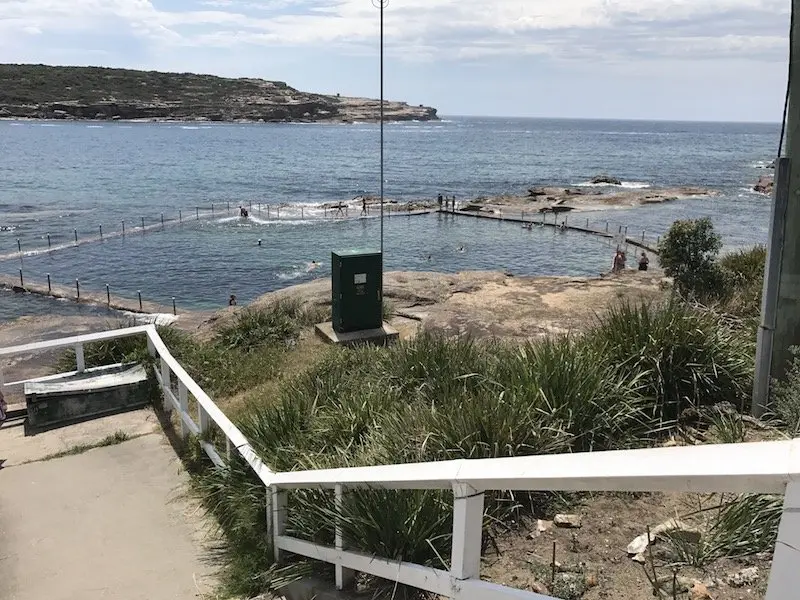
[688, 254]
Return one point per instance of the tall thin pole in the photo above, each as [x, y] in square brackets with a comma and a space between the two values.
[780, 316]
[382, 6]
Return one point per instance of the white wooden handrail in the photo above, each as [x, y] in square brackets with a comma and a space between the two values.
[74, 340]
[762, 467]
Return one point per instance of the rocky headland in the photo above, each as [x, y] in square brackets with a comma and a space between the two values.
[583, 198]
[97, 93]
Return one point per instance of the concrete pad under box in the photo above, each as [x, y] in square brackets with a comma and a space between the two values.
[381, 336]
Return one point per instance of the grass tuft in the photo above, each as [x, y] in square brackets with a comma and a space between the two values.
[111, 440]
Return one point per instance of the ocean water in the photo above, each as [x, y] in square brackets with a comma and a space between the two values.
[60, 178]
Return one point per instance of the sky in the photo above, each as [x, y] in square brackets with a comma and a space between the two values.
[720, 60]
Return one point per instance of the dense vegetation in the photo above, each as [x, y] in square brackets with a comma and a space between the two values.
[48, 92]
[41, 84]
[640, 374]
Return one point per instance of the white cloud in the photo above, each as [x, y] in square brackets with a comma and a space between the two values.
[465, 29]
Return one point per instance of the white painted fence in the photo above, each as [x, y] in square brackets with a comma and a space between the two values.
[765, 467]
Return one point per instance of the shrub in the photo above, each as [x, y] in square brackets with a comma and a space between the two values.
[254, 328]
[687, 253]
[435, 398]
[743, 272]
[684, 356]
[786, 396]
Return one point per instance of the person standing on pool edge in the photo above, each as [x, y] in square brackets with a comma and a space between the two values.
[644, 262]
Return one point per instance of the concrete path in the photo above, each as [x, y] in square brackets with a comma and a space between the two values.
[113, 522]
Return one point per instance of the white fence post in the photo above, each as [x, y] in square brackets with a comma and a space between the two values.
[344, 577]
[166, 385]
[151, 348]
[784, 577]
[202, 419]
[80, 362]
[183, 400]
[278, 518]
[465, 560]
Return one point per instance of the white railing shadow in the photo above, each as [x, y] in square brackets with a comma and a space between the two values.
[763, 467]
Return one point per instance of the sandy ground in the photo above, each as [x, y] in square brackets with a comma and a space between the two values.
[610, 522]
[113, 522]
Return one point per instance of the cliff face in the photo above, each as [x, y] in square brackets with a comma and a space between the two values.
[44, 92]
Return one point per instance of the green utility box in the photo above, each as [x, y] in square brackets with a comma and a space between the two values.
[357, 290]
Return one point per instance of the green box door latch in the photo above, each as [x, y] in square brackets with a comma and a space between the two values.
[357, 290]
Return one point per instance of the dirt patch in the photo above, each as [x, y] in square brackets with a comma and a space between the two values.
[596, 553]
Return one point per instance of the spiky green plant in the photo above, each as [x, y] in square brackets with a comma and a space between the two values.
[686, 357]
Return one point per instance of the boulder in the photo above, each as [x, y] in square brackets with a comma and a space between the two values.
[567, 521]
[699, 591]
[743, 578]
[542, 525]
[537, 192]
[538, 587]
[671, 528]
[764, 185]
[606, 179]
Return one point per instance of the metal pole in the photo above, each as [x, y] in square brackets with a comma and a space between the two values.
[139, 292]
[21, 283]
[49, 288]
[197, 212]
[229, 206]
[108, 295]
[19, 246]
[75, 231]
[48, 240]
[162, 221]
[180, 216]
[174, 308]
[383, 4]
[769, 300]
[780, 316]
[123, 229]
[212, 208]
[101, 231]
[78, 289]
[142, 224]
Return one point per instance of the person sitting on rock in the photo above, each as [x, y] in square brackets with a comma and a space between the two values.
[232, 300]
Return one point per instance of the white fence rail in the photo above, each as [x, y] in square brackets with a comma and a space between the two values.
[765, 467]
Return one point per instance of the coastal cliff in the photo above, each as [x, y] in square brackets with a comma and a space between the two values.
[98, 93]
